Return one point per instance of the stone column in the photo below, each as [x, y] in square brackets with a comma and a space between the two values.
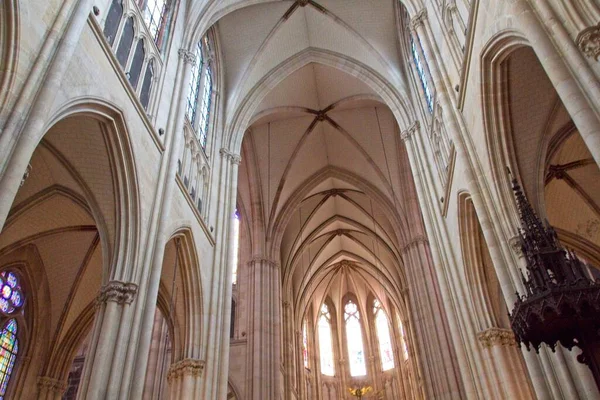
[149, 274]
[50, 388]
[104, 360]
[25, 126]
[184, 379]
[569, 72]
[501, 348]
[264, 303]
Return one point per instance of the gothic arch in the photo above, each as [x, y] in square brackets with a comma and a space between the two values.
[235, 129]
[9, 47]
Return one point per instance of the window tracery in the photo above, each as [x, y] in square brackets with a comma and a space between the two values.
[325, 341]
[137, 31]
[199, 101]
[383, 335]
[354, 341]
[12, 300]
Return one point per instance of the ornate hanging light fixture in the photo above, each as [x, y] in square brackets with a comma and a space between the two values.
[561, 303]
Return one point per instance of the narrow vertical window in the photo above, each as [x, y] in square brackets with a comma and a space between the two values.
[155, 14]
[9, 347]
[325, 341]
[236, 244]
[125, 43]
[113, 19]
[205, 107]
[356, 354]
[403, 340]
[417, 51]
[194, 87]
[147, 85]
[232, 325]
[383, 336]
[305, 344]
[136, 65]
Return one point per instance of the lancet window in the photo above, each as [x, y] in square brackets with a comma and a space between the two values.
[305, 344]
[137, 31]
[199, 101]
[422, 70]
[325, 341]
[236, 244]
[386, 351]
[12, 300]
[403, 342]
[354, 340]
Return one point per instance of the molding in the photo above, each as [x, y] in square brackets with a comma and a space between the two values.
[414, 242]
[410, 131]
[261, 260]
[186, 367]
[468, 54]
[187, 56]
[52, 385]
[588, 41]
[188, 198]
[449, 180]
[418, 19]
[118, 292]
[231, 156]
[496, 337]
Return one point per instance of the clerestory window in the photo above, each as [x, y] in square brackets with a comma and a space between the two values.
[354, 340]
[386, 351]
[325, 341]
[12, 300]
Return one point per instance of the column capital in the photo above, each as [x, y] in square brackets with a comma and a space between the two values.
[187, 366]
[231, 156]
[410, 131]
[414, 242]
[418, 19]
[496, 337]
[262, 260]
[588, 41]
[187, 56]
[51, 385]
[119, 292]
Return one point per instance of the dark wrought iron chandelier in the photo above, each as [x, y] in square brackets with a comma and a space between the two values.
[562, 302]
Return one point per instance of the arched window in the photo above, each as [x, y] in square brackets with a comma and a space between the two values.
[136, 64]
[383, 336]
[156, 14]
[11, 301]
[147, 85]
[422, 70]
[199, 99]
[192, 99]
[356, 353]
[125, 43]
[305, 344]
[113, 19]
[325, 341]
[236, 244]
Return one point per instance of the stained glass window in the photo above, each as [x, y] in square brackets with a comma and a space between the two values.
[325, 341]
[420, 64]
[236, 244]
[9, 346]
[205, 107]
[383, 335]
[112, 21]
[305, 344]
[125, 43]
[356, 353]
[403, 339]
[192, 99]
[11, 295]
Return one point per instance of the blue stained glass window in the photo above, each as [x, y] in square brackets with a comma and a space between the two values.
[383, 336]
[11, 295]
[356, 353]
[416, 53]
[325, 341]
[9, 347]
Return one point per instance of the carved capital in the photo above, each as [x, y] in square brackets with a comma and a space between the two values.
[588, 41]
[408, 133]
[231, 156]
[187, 56]
[186, 367]
[515, 246]
[119, 292]
[265, 261]
[51, 385]
[418, 19]
[496, 337]
[414, 242]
